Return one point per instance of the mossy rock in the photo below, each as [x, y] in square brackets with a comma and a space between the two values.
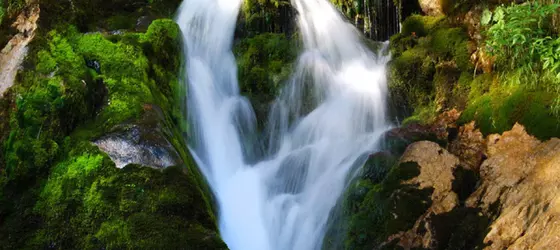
[89, 15]
[430, 68]
[265, 63]
[419, 25]
[411, 77]
[387, 208]
[57, 189]
[498, 110]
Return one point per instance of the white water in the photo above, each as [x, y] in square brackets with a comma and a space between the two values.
[329, 115]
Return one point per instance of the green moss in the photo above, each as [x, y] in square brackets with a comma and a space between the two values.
[431, 67]
[264, 62]
[388, 208]
[452, 44]
[425, 115]
[498, 110]
[411, 76]
[259, 17]
[57, 189]
[419, 25]
[90, 15]
[120, 22]
[2, 12]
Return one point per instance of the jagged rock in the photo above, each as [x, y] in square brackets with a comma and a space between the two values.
[470, 146]
[514, 205]
[505, 166]
[143, 143]
[521, 175]
[437, 168]
[431, 7]
[14, 52]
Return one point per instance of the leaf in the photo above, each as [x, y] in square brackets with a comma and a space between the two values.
[486, 17]
[498, 15]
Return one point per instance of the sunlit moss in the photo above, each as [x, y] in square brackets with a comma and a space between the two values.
[499, 109]
[264, 62]
[58, 189]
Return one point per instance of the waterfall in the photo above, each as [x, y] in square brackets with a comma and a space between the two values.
[327, 118]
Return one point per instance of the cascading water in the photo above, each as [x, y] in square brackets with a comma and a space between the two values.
[328, 116]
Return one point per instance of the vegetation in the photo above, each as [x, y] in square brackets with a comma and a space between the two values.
[428, 55]
[525, 44]
[371, 213]
[274, 16]
[264, 63]
[58, 190]
[432, 69]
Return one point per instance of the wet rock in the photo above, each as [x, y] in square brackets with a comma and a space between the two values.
[143, 23]
[94, 64]
[398, 139]
[378, 166]
[144, 143]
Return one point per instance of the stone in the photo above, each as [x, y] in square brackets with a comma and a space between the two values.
[142, 143]
[12, 55]
[470, 146]
[437, 168]
[522, 176]
[431, 7]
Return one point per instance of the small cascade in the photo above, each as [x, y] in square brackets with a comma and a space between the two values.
[327, 118]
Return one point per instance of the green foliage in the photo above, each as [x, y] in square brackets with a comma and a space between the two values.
[524, 43]
[1, 13]
[514, 30]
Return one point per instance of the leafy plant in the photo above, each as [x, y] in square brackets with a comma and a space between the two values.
[524, 43]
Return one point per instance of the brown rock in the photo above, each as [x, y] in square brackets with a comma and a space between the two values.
[470, 146]
[431, 7]
[506, 166]
[515, 203]
[436, 171]
[14, 52]
[523, 176]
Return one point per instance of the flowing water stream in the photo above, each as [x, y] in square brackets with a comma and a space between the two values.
[328, 117]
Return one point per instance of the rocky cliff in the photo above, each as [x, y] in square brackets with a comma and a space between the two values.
[466, 191]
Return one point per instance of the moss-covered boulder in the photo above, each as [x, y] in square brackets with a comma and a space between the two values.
[499, 109]
[265, 63]
[60, 191]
